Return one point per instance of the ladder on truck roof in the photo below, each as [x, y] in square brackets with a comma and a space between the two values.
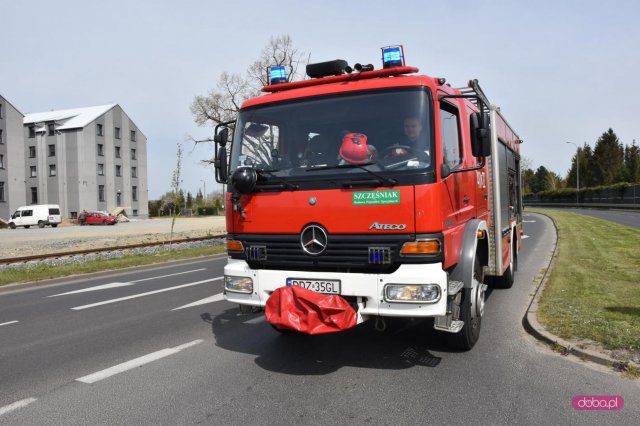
[474, 93]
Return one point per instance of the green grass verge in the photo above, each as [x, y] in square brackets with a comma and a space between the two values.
[45, 272]
[594, 289]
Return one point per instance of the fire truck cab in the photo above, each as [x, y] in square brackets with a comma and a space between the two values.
[391, 189]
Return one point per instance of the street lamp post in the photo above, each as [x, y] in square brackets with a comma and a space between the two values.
[204, 195]
[577, 171]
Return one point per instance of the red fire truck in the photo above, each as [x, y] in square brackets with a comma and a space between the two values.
[389, 191]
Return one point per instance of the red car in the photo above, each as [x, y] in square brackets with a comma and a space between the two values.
[96, 218]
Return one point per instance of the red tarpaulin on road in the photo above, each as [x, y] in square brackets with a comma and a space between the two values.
[296, 308]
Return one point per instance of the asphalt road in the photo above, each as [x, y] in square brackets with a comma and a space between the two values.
[624, 217]
[123, 354]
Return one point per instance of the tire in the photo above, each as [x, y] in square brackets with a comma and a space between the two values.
[12, 225]
[53, 225]
[104, 222]
[245, 309]
[27, 226]
[466, 338]
[40, 224]
[506, 280]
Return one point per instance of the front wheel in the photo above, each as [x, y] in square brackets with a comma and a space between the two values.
[12, 225]
[104, 222]
[471, 310]
[40, 224]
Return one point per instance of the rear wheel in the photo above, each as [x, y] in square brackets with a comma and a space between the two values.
[40, 224]
[471, 311]
[12, 225]
[507, 279]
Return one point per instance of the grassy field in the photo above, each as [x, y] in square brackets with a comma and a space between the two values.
[47, 272]
[594, 289]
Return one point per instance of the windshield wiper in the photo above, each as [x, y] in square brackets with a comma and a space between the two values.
[282, 183]
[388, 181]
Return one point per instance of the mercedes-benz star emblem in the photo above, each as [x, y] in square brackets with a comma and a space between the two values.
[314, 239]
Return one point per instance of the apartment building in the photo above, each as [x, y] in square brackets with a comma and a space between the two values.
[92, 158]
[12, 179]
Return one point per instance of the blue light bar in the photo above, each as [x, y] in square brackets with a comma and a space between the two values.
[277, 75]
[392, 56]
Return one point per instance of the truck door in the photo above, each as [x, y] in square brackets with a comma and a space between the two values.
[458, 194]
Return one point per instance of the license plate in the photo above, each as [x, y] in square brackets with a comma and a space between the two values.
[319, 286]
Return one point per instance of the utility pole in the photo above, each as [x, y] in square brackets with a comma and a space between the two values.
[577, 172]
[204, 195]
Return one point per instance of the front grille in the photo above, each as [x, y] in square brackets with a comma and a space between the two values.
[344, 253]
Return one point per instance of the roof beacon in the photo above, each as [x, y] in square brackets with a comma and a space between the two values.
[392, 56]
[277, 75]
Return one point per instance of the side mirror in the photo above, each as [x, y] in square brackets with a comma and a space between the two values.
[220, 164]
[480, 135]
[222, 136]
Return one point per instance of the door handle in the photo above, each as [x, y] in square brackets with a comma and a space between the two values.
[466, 199]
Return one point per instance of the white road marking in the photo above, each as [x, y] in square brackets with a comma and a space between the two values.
[170, 275]
[528, 221]
[134, 363]
[7, 323]
[525, 236]
[216, 298]
[16, 405]
[256, 320]
[96, 288]
[115, 285]
[135, 296]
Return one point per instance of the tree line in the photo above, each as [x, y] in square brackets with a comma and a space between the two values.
[608, 163]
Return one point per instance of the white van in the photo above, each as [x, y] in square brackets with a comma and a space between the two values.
[41, 215]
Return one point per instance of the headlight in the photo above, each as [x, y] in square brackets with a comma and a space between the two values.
[238, 284]
[412, 293]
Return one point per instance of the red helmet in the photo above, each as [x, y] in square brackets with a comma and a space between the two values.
[354, 148]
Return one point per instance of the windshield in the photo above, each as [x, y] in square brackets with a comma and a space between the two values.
[387, 132]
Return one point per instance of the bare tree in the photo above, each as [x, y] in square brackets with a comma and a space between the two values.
[175, 187]
[223, 103]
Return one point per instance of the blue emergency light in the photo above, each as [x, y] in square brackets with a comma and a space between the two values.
[277, 75]
[392, 56]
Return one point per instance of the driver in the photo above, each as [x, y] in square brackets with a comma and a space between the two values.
[412, 130]
[413, 133]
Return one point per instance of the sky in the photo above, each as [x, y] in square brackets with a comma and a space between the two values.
[559, 70]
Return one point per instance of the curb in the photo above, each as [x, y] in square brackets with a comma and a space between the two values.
[535, 329]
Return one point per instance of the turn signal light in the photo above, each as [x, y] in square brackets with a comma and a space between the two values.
[234, 245]
[420, 248]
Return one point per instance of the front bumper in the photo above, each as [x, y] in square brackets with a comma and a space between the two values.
[366, 289]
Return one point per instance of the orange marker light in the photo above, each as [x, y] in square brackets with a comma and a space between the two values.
[420, 248]
[233, 245]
